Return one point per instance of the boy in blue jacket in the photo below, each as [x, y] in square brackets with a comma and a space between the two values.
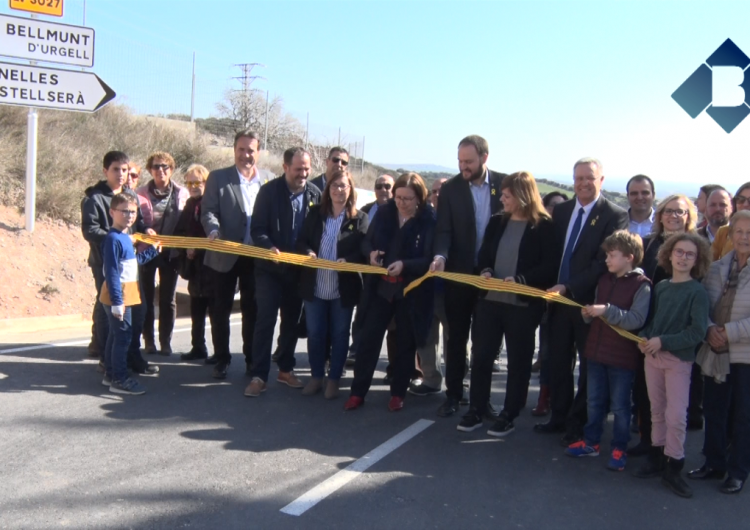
[120, 292]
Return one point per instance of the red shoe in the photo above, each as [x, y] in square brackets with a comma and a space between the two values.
[542, 406]
[395, 404]
[354, 402]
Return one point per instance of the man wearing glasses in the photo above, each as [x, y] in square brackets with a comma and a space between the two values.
[338, 158]
[383, 194]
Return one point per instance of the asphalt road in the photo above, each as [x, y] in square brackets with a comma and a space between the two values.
[195, 453]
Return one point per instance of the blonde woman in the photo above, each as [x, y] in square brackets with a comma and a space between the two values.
[519, 246]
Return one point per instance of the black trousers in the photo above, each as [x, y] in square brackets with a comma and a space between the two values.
[568, 334]
[275, 293]
[642, 402]
[167, 305]
[225, 284]
[380, 312]
[200, 306]
[460, 301]
[695, 405]
[492, 320]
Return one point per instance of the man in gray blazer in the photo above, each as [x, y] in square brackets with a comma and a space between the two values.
[227, 209]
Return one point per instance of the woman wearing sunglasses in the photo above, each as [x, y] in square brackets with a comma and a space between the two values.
[167, 200]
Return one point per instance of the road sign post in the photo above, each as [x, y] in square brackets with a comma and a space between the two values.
[32, 129]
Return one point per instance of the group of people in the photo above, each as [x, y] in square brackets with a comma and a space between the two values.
[672, 275]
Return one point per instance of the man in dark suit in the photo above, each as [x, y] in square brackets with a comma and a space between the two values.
[338, 158]
[582, 224]
[466, 203]
[227, 208]
[281, 209]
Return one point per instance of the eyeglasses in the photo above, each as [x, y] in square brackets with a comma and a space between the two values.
[163, 167]
[340, 187]
[741, 199]
[134, 176]
[678, 252]
[339, 160]
[385, 186]
[128, 212]
[193, 184]
[405, 199]
[679, 212]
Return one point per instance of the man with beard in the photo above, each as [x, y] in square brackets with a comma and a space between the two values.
[466, 203]
[718, 212]
[280, 209]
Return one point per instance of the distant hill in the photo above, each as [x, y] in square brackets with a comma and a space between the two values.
[546, 186]
[419, 168]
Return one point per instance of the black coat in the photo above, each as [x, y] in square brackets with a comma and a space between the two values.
[349, 247]
[198, 275]
[587, 263]
[538, 253]
[318, 182]
[271, 224]
[96, 221]
[456, 231]
[412, 244]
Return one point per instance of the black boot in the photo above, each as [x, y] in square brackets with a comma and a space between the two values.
[673, 480]
[654, 465]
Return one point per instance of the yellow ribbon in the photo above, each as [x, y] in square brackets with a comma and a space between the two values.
[480, 282]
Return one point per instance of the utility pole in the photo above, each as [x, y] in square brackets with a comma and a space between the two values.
[307, 131]
[265, 134]
[247, 80]
[192, 94]
[362, 169]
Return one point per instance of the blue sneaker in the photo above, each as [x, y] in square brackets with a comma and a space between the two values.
[618, 460]
[129, 386]
[580, 448]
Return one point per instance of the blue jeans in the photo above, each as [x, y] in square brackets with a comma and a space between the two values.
[118, 342]
[611, 386]
[725, 404]
[327, 318]
[138, 317]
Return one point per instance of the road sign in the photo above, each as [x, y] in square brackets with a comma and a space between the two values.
[52, 88]
[39, 40]
[43, 7]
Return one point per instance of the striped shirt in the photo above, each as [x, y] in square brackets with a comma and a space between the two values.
[327, 281]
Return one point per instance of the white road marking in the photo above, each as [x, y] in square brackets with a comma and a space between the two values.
[85, 341]
[355, 469]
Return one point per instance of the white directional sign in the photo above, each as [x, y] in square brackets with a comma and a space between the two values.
[38, 40]
[51, 88]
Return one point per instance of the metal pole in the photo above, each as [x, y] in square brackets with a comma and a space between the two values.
[339, 142]
[307, 131]
[84, 12]
[192, 94]
[362, 170]
[265, 134]
[31, 145]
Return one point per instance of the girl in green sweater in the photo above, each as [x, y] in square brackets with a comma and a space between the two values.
[678, 325]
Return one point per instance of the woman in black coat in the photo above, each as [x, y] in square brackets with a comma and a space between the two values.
[400, 239]
[333, 230]
[519, 246]
[190, 263]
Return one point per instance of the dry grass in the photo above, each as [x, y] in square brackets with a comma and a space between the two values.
[71, 147]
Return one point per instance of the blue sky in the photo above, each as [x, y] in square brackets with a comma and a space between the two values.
[546, 82]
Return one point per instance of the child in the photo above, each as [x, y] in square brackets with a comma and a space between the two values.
[623, 297]
[120, 292]
[677, 326]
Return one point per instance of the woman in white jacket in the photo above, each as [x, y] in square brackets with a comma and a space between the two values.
[725, 361]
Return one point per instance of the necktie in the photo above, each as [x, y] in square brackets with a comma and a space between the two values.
[565, 265]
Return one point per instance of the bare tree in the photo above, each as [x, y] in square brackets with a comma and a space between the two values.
[247, 110]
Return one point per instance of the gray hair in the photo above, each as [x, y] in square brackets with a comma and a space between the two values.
[738, 216]
[589, 160]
